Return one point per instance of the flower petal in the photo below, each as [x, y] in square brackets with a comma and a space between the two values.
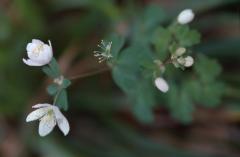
[37, 114]
[46, 125]
[30, 47]
[47, 54]
[37, 41]
[61, 121]
[31, 63]
[41, 105]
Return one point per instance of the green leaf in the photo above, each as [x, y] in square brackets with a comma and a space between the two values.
[62, 100]
[48, 71]
[212, 93]
[207, 69]
[161, 40]
[153, 15]
[66, 83]
[128, 75]
[144, 102]
[52, 69]
[52, 89]
[185, 36]
[55, 67]
[208, 95]
[143, 113]
[146, 23]
[180, 104]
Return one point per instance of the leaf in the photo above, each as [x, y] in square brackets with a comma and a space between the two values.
[52, 89]
[66, 83]
[207, 69]
[185, 36]
[212, 93]
[55, 67]
[52, 69]
[180, 104]
[144, 102]
[161, 40]
[62, 100]
[208, 95]
[128, 75]
[143, 113]
[146, 23]
[48, 71]
[153, 15]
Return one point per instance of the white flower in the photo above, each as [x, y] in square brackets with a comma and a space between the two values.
[39, 54]
[185, 16]
[105, 53]
[49, 116]
[161, 84]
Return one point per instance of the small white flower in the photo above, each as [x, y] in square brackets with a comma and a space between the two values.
[185, 16]
[49, 116]
[39, 54]
[161, 84]
[105, 53]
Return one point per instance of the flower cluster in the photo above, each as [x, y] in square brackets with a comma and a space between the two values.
[181, 61]
[41, 54]
[177, 58]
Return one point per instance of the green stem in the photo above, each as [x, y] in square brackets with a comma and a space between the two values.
[88, 74]
[56, 96]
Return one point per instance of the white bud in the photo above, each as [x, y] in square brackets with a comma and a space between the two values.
[188, 61]
[161, 84]
[180, 51]
[39, 53]
[181, 60]
[185, 16]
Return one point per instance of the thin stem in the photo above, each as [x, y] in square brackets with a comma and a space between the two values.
[56, 96]
[167, 61]
[88, 74]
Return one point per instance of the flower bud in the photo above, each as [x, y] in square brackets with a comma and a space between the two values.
[188, 61]
[39, 54]
[185, 16]
[181, 61]
[161, 84]
[180, 51]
